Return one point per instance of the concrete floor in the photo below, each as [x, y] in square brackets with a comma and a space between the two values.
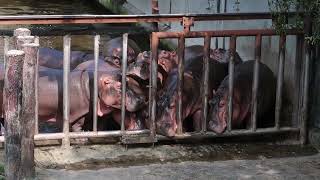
[303, 167]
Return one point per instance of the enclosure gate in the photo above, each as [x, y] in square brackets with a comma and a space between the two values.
[149, 136]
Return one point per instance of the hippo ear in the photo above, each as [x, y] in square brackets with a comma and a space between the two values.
[213, 92]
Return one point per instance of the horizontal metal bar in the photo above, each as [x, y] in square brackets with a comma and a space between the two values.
[88, 19]
[101, 134]
[226, 33]
[229, 134]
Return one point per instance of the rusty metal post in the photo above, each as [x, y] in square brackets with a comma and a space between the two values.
[155, 10]
[124, 82]
[28, 109]
[12, 96]
[153, 84]
[207, 42]
[95, 81]
[282, 51]
[66, 97]
[305, 91]
[255, 82]
[181, 48]
[297, 79]
[231, 79]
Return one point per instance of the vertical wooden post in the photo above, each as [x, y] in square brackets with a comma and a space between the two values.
[28, 109]
[21, 40]
[20, 32]
[12, 95]
[66, 97]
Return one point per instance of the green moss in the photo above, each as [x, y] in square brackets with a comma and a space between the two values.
[2, 172]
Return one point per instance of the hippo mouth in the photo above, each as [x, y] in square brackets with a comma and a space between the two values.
[103, 109]
[219, 125]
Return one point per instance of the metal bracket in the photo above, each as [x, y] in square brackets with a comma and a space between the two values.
[187, 22]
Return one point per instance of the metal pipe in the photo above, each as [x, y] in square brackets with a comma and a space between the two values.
[225, 33]
[181, 48]
[282, 51]
[231, 78]
[92, 19]
[297, 79]
[304, 118]
[124, 87]
[153, 87]
[95, 82]
[207, 41]
[103, 134]
[66, 97]
[255, 82]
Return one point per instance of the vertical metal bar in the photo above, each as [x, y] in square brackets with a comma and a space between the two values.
[304, 124]
[297, 79]
[5, 50]
[36, 84]
[66, 97]
[181, 48]
[124, 72]
[207, 41]
[95, 81]
[153, 87]
[255, 82]
[282, 50]
[231, 79]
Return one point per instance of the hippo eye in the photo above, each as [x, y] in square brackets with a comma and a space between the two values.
[221, 103]
[117, 61]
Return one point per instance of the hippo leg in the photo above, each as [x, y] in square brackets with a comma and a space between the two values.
[77, 127]
[197, 120]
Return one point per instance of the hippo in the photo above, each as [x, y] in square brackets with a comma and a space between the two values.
[191, 98]
[53, 58]
[112, 50]
[242, 95]
[132, 121]
[110, 89]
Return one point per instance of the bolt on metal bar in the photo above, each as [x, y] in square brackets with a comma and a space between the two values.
[282, 51]
[181, 48]
[95, 81]
[207, 43]
[153, 84]
[231, 79]
[304, 109]
[66, 97]
[124, 87]
[255, 82]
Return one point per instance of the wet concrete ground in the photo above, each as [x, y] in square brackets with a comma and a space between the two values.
[304, 167]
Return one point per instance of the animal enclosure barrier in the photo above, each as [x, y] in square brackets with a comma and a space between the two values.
[149, 135]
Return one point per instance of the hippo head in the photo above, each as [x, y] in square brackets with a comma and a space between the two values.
[139, 69]
[167, 60]
[166, 108]
[218, 112]
[144, 56]
[135, 97]
[223, 56]
[109, 93]
[113, 52]
[218, 107]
